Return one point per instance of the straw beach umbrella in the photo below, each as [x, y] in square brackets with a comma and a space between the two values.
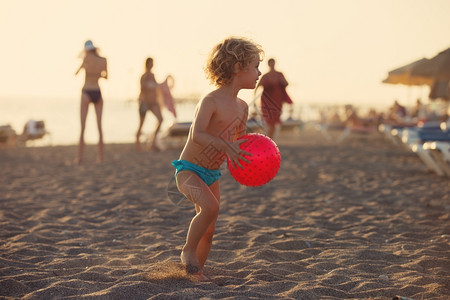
[437, 68]
[440, 89]
[402, 75]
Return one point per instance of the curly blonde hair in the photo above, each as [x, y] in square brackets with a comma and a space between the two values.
[221, 60]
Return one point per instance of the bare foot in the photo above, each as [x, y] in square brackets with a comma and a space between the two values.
[193, 270]
[155, 148]
[192, 266]
[196, 272]
[190, 259]
[99, 159]
[199, 276]
[137, 145]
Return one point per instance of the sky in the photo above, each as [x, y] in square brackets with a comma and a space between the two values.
[331, 51]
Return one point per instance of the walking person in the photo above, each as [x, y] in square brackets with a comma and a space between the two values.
[148, 101]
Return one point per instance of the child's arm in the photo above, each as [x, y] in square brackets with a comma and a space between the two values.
[242, 129]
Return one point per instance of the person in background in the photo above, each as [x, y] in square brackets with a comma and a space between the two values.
[95, 68]
[148, 101]
[419, 112]
[397, 111]
[273, 97]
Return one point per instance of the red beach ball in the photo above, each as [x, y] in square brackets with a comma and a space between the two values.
[264, 163]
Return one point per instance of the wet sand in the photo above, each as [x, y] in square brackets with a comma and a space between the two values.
[358, 219]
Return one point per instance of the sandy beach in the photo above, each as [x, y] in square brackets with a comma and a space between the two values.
[358, 219]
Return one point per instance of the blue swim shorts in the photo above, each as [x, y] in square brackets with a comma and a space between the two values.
[207, 175]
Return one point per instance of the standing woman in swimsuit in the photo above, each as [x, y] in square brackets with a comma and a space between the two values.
[148, 101]
[95, 67]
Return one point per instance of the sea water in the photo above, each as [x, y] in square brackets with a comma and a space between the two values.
[120, 118]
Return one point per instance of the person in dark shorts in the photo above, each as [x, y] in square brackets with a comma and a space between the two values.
[95, 68]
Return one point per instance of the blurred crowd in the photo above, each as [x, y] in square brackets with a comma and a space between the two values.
[349, 116]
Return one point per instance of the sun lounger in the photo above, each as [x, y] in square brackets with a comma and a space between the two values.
[255, 125]
[7, 135]
[291, 124]
[433, 135]
[175, 136]
[387, 131]
[440, 151]
[327, 130]
[418, 135]
[34, 130]
[179, 129]
[432, 145]
[430, 141]
[428, 158]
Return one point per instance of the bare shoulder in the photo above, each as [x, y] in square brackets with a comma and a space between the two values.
[206, 105]
[210, 99]
[144, 78]
[99, 58]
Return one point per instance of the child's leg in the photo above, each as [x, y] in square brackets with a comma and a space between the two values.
[199, 193]
[206, 241]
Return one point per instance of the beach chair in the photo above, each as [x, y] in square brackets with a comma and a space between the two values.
[34, 130]
[440, 151]
[291, 124]
[8, 135]
[255, 125]
[430, 144]
[179, 129]
[440, 148]
[427, 158]
[175, 136]
[390, 133]
[328, 131]
[339, 133]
